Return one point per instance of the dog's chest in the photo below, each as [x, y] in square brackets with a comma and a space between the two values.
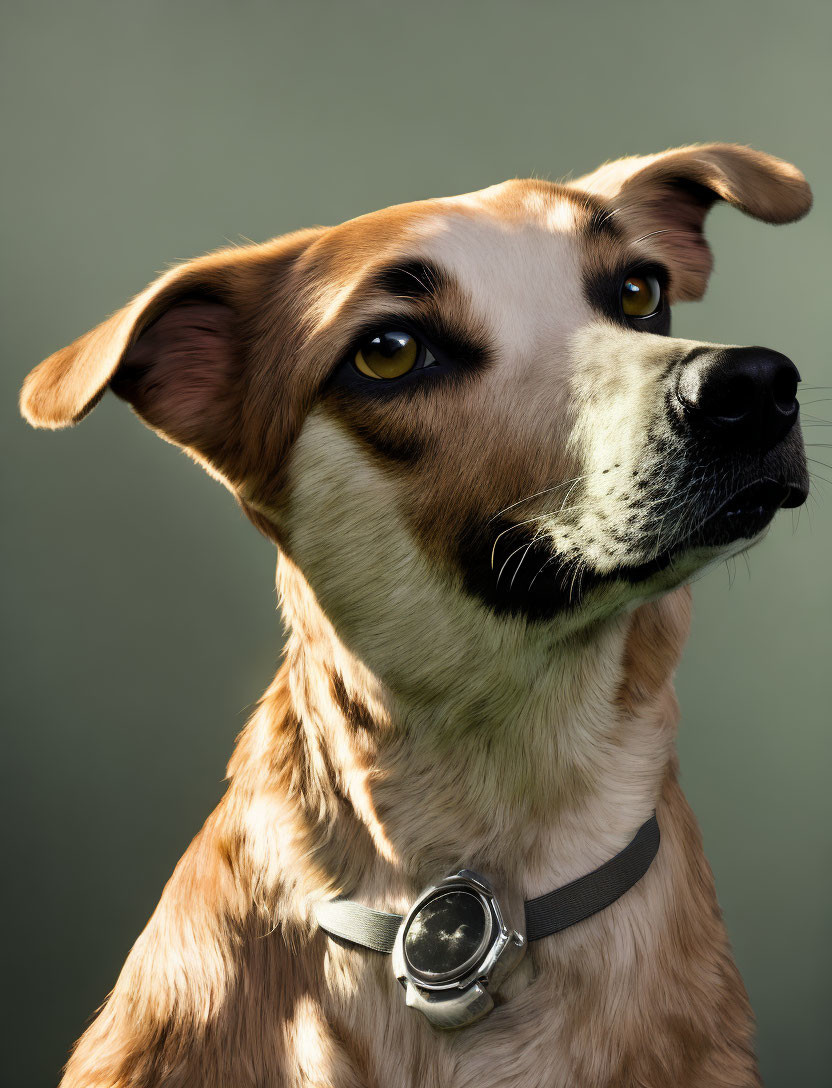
[530, 1038]
[598, 1005]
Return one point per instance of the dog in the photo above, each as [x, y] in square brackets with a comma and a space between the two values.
[491, 473]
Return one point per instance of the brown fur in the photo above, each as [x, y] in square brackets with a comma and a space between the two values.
[411, 729]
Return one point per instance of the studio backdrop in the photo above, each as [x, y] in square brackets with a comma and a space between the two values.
[139, 613]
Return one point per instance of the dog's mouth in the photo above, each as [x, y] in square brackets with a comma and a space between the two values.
[742, 516]
[560, 585]
[745, 514]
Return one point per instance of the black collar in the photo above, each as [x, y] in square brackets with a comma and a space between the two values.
[545, 915]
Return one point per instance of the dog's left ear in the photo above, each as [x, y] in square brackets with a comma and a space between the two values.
[667, 197]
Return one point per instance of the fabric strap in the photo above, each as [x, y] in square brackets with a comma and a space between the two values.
[361, 925]
[554, 911]
[545, 915]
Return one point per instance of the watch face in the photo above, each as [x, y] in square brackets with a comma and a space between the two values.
[447, 935]
[454, 949]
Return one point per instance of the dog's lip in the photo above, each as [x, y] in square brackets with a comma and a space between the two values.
[761, 496]
[746, 512]
[743, 515]
[798, 494]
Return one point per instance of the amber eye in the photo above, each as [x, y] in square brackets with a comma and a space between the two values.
[388, 355]
[641, 296]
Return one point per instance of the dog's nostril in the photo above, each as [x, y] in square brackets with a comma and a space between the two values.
[746, 396]
[733, 399]
[784, 389]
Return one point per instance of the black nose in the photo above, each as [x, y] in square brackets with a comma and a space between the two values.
[745, 396]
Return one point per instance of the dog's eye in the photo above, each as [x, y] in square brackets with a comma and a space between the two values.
[641, 296]
[389, 354]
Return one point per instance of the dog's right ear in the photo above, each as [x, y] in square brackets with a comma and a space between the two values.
[178, 353]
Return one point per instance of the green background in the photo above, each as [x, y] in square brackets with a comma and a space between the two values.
[139, 605]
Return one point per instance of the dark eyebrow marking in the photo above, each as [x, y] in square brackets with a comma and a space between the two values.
[411, 279]
[601, 222]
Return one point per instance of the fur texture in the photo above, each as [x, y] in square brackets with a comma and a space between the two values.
[483, 569]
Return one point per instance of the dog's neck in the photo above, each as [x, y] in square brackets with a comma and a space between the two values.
[535, 770]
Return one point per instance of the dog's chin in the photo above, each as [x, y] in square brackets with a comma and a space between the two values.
[530, 580]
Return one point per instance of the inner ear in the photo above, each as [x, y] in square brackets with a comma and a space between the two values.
[182, 375]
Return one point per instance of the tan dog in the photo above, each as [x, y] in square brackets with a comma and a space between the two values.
[489, 471]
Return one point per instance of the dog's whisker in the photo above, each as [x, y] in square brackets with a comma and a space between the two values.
[546, 515]
[511, 528]
[551, 559]
[522, 557]
[537, 494]
[815, 474]
[566, 496]
[682, 503]
[431, 290]
[610, 214]
[665, 230]
[815, 461]
[577, 573]
[613, 472]
[528, 498]
[519, 548]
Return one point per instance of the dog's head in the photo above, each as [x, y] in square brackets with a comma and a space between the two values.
[471, 410]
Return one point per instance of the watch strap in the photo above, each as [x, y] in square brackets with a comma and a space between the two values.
[546, 914]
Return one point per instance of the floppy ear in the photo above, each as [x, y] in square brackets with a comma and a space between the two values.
[179, 353]
[667, 197]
